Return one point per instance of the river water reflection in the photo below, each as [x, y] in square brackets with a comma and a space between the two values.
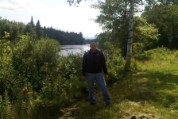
[73, 49]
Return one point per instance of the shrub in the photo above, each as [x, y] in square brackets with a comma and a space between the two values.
[114, 61]
[68, 86]
[34, 60]
[5, 107]
[155, 54]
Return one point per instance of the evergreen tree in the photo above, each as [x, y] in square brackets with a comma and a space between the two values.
[29, 30]
[32, 23]
[39, 32]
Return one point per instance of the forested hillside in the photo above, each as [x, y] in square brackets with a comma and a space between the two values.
[15, 29]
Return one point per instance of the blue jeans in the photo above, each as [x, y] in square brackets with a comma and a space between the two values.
[102, 85]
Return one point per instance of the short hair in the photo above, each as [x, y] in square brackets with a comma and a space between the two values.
[93, 43]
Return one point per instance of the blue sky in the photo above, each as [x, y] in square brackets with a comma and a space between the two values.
[55, 13]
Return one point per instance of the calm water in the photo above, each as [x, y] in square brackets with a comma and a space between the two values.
[73, 49]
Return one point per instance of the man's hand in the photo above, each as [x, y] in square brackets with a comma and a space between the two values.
[84, 77]
[106, 77]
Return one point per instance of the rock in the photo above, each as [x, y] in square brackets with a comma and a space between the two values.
[142, 117]
[71, 111]
[133, 117]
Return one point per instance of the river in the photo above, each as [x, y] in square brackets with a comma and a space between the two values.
[73, 49]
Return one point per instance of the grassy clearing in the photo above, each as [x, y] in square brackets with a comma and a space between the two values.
[151, 93]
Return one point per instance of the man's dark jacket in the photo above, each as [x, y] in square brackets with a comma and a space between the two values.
[94, 62]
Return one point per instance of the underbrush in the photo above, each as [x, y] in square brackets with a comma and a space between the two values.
[36, 82]
[161, 54]
[155, 58]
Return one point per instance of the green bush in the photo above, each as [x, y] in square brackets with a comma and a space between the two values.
[114, 61]
[155, 54]
[7, 73]
[34, 60]
[176, 54]
[5, 107]
[27, 63]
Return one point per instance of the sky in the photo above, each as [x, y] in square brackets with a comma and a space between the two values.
[54, 13]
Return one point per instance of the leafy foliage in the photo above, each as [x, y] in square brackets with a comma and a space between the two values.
[114, 18]
[145, 36]
[165, 19]
[33, 70]
[114, 61]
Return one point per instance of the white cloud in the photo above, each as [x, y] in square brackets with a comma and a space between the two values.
[21, 5]
[11, 5]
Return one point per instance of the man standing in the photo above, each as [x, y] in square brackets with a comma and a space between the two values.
[93, 65]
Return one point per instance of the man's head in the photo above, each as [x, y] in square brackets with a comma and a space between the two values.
[93, 46]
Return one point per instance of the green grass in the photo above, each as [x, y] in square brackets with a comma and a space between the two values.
[151, 93]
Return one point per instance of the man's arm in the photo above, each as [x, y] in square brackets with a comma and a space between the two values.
[84, 65]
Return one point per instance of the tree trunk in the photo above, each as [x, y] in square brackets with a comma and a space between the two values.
[130, 37]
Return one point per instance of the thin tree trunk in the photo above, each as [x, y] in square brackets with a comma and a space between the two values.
[130, 37]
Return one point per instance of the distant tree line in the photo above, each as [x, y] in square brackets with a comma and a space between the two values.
[15, 29]
[64, 37]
